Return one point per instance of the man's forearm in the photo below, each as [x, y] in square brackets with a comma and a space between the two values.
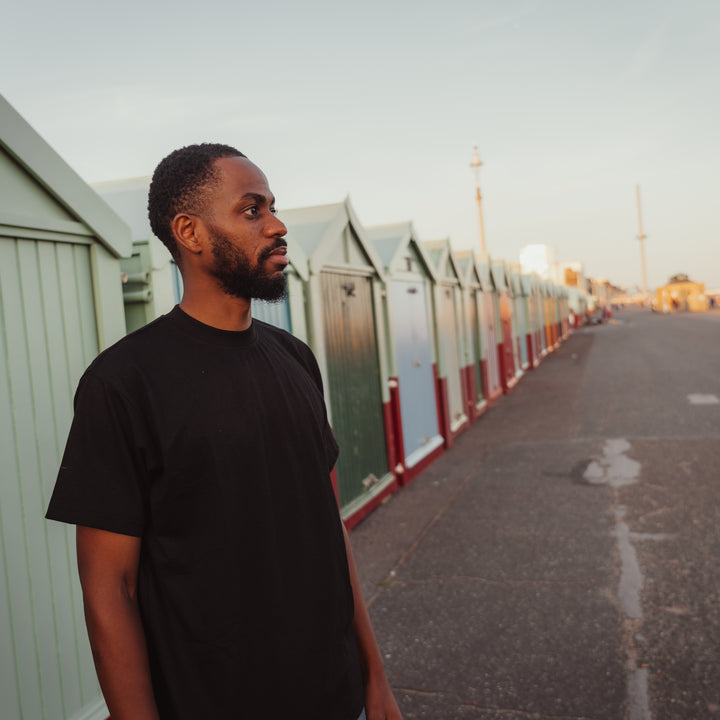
[108, 567]
[119, 650]
[379, 701]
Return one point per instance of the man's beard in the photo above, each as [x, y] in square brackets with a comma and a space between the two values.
[239, 278]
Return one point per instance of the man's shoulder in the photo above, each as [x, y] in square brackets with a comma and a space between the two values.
[283, 337]
[291, 344]
[131, 350]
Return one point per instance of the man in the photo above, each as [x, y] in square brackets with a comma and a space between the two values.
[217, 577]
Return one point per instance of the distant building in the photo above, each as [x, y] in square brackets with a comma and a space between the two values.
[571, 274]
[681, 295]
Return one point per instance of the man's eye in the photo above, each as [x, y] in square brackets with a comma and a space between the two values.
[273, 211]
[253, 210]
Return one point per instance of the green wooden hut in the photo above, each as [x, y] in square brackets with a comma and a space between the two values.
[60, 303]
[450, 338]
[347, 320]
[476, 337]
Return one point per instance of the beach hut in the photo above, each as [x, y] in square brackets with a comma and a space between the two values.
[346, 329]
[449, 337]
[532, 336]
[475, 337]
[60, 303]
[491, 331]
[548, 315]
[564, 310]
[410, 279]
[152, 283]
[520, 315]
[509, 371]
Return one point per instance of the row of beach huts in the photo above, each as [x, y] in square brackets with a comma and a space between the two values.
[415, 342]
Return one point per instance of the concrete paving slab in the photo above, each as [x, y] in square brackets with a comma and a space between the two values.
[531, 647]
[508, 581]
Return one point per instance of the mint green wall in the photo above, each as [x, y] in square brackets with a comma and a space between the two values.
[48, 334]
[60, 303]
[22, 195]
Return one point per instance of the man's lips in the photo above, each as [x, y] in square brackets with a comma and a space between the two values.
[278, 254]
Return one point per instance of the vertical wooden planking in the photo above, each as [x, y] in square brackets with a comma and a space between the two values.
[40, 460]
[354, 381]
[414, 365]
[473, 299]
[448, 331]
[275, 313]
[16, 539]
[81, 346]
[85, 307]
[61, 537]
[10, 690]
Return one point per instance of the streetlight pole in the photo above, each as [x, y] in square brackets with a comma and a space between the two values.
[641, 238]
[475, 165]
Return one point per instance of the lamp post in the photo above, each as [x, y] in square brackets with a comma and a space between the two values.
[475, 165]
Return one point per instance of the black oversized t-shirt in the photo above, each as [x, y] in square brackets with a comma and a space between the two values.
[213, 447]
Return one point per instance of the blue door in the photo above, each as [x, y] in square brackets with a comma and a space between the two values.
[415, 371]
[275, 313]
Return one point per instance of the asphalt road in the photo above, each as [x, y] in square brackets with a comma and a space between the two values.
[562, 560]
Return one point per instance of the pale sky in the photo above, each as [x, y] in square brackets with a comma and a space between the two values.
[571, 102]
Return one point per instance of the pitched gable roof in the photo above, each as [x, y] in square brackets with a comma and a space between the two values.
[58, 179]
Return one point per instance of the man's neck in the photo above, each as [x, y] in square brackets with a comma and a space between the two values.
[220, 311]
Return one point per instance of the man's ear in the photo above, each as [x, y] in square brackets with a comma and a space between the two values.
[185, 229]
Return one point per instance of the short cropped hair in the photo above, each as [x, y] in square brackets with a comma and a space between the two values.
[180, 183]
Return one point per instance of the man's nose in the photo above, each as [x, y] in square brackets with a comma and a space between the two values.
[277, 227]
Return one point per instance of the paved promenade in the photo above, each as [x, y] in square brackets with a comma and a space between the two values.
[562, 560]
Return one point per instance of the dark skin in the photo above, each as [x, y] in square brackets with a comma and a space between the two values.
[242, 208]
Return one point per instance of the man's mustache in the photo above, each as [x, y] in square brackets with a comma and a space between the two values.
[281, 242]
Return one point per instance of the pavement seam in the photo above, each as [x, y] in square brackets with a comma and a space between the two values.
[390, 580]
[499, 583]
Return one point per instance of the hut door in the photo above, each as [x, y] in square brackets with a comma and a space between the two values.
[354, 383]
[418, 407]
[448, 335]
[275, 313]
[476, 343]
[492, 342]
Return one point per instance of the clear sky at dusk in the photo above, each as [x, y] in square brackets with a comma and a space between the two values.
[571, 103]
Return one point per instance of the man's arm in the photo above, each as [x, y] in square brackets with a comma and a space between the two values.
[108, 566]
[379, 701]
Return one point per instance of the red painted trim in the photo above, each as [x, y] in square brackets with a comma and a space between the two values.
[365, 510]
[479, 412]
[470, 391]
[485, 379]
[393, 418]
[444, 411]
[495, 396]
[532, 358]
[502, 366]
[415, 470]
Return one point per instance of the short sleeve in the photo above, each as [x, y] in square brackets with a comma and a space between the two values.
[102, 482]
[332, 449]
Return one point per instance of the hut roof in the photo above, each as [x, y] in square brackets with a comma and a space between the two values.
[443, 259]
[58, 179]
[320, 228]
[392, 240]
